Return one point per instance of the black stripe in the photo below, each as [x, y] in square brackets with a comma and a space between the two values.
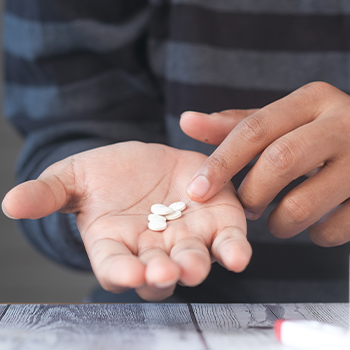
[258, 31]
[127, 111]
[159, 23]
[108, 11]
[211, 99]
[72, 67]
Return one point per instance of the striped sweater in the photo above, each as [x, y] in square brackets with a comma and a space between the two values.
[83, 73]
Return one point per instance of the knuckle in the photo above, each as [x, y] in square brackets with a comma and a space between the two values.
[254, 129]
[297, 212]
[281, 154]
[219, 163]
[317, 90]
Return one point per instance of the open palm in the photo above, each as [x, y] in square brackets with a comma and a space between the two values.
[111, 190]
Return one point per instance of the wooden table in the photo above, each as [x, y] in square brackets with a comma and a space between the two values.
[154, 326]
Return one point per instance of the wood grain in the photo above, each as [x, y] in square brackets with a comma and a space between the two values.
[154, 326]
[3, 309]
[105, 326]
[250, 326]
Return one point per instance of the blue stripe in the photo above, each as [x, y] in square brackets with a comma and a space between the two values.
[84, 97]
[248, 69]
[30, 40]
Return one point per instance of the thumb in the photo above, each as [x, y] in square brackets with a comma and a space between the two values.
[38, 198]
[212, 128]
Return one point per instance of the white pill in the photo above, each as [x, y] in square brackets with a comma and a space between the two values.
[161, 209]
[174, 215]
[178, 206]
[155, 217]
[157, 225]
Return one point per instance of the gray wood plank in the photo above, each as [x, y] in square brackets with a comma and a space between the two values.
[155, 326]
[332, 313]
[247, 327]
[237, 326]
[104, 326]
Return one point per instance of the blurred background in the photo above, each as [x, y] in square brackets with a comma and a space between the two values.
[25, 275]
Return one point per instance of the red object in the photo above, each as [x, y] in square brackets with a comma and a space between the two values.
[278, 325]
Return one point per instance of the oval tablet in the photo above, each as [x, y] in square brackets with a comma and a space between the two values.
[155, 217]
[157, 225]
[174, 215]
[178, 206]
[161, 209]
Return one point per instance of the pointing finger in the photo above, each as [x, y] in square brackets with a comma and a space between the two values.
[212, 128]
[251, 136]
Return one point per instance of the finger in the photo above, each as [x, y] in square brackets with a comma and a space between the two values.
[232, 249]
[285, 160]
[161, 271]
[114, 265]
[161, 275]
[212, 128]
[251, 136]
[334, 228]
[193, 258]
[146, 266]
[310, 201]
[112, 252]
[54, 190]
[150, 293]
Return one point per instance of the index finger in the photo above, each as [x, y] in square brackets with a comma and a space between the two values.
[212, 128]
[252, 135]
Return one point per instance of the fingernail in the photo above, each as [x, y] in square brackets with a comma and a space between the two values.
[199, 186]
[193, 112]
[5, 212]
[184, 113]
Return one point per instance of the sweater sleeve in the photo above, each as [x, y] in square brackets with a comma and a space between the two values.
[76, 78]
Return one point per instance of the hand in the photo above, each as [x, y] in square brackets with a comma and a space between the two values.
[111, 190]
[307, 132]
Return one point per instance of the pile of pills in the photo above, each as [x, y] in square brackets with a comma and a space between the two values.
[161, 214]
